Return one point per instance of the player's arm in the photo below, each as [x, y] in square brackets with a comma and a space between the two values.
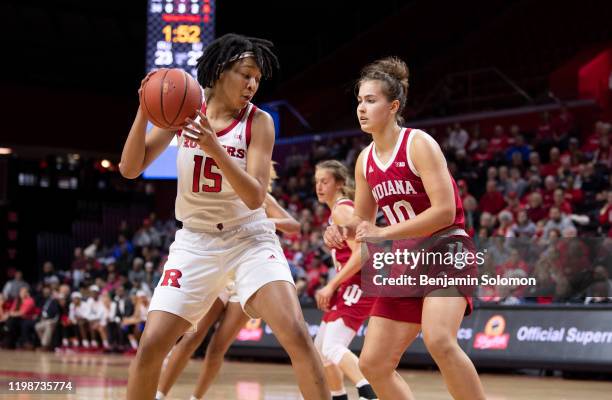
[140, 148]
[282, 219]
[342, 215]
[430, 163]
[365, 210]
[365, 204]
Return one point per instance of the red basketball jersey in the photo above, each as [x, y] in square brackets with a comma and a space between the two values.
[397, 186]
[348, 302]
[340, 256]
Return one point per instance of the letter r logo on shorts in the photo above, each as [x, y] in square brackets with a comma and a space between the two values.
[171, 277]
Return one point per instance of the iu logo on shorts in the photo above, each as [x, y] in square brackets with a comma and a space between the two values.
[171, 277]
[351, 295]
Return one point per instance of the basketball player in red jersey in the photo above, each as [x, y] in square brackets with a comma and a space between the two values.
[227, 311]
[225, 231]
[404, 172]
[341, 298]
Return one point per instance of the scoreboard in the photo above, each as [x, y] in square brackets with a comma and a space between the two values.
[177, 32]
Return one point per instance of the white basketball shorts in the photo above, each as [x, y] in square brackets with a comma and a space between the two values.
[201, 264]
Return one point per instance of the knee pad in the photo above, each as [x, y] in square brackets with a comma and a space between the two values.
[318, 343]
[336, 340]
[334, 351]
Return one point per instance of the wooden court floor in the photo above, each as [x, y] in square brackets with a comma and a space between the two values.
[97, 376]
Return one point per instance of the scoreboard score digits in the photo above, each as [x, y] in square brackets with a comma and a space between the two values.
[177, 32]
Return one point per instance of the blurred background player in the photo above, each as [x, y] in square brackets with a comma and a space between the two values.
[341, 299]
[430, 206]
[225, 231]
[226, 310]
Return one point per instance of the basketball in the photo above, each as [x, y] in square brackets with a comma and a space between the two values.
[169, 96]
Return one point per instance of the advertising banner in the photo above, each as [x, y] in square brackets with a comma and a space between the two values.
[544, 337]
[524, 337]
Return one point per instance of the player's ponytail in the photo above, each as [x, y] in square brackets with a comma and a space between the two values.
[340, 174]
[394, 74]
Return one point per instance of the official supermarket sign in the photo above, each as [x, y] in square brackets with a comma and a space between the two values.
[552, 337]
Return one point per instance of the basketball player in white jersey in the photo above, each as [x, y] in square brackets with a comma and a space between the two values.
[227, 311]
[225, 231]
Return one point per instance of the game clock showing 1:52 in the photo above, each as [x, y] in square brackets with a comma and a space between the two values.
[182, 33]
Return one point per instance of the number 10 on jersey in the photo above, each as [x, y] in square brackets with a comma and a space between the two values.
[401, 210]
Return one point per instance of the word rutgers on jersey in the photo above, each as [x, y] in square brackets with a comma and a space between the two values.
[232, 151]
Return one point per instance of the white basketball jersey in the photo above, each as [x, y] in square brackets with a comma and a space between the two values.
[205, 200]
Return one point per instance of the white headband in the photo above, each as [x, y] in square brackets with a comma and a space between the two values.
[235, 58]
[241, 56]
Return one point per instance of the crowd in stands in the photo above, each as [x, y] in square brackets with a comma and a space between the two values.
[539, 201]
[100, 301]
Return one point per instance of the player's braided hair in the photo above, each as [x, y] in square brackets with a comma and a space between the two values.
[224, 51]
[393, 73]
